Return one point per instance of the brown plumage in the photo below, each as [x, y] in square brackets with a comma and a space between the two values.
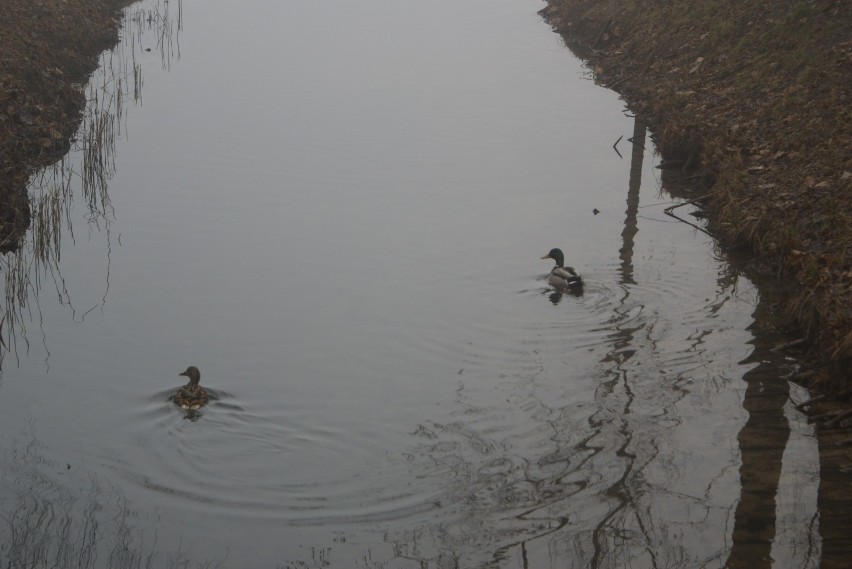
[191, 396]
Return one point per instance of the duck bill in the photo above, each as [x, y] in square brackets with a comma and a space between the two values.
[547, 257]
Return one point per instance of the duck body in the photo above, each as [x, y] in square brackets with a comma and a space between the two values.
[561, 276]
[191, 396]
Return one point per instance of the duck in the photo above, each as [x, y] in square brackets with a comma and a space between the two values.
[561, 276]
[191, 396]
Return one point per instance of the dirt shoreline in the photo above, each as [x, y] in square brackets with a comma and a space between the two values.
[48, 50]
[754, 99]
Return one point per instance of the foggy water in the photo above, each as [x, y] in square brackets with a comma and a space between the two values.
[336, 211]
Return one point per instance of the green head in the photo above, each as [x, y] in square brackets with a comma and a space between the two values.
[556, 255]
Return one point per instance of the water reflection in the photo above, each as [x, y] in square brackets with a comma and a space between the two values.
[631, 225]
[599, 434]
[56, 517]
[556, 295]
[761, 441]
[622, 485]
[587, 497]
[48, 210]
[774, 523]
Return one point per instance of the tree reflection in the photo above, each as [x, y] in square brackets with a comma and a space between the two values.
[763, 439]
[625, 491]
[632, 477]
[631, 224]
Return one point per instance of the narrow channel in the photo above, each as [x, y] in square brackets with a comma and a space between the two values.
[337, 212]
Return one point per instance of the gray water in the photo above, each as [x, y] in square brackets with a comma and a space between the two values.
[336, 211]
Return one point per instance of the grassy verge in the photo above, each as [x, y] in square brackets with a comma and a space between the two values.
[756, 97]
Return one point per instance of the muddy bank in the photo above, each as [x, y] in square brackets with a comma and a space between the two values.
[754, 100]
[48, 51]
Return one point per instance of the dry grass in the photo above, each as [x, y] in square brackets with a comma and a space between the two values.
[761, 92]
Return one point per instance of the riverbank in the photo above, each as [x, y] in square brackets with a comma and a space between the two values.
[48, 49]
[755, 100]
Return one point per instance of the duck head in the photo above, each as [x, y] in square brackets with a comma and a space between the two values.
[556, 255]
[193, 374]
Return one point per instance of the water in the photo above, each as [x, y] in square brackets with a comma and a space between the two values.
[336, 212]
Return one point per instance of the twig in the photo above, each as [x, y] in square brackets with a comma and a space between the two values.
[615, 144]
[826, 415]
[840, 417]
[632, 140]
[801, 406]
[787, 345]
[668, 211]
[601, 33]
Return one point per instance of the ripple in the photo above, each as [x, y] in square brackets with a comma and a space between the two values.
[516, 399]
[260, 466]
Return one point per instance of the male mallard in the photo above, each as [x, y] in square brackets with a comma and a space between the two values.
[561, 276]
[191, 396]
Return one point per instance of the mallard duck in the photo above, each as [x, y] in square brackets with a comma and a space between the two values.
[562, 276]
[191, 396]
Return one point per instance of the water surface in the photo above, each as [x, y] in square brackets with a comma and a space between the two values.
[336, 212]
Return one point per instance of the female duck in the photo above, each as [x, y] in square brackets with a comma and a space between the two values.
[191, 396]
[562, 276]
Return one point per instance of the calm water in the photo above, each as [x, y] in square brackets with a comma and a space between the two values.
[336, 211]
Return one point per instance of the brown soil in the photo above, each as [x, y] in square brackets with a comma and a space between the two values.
[48, 48]
[755, 97]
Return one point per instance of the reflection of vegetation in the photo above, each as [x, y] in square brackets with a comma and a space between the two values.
[49, 524]
[33, 225]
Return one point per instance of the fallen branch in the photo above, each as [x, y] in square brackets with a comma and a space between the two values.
[788, 345]
[826, 415]
[801, 406]
[840, 417]
[669, 211]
